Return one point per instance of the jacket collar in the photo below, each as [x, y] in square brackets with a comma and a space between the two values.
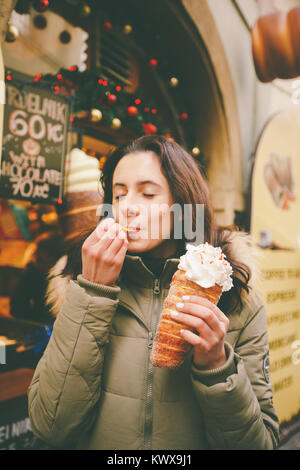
[136, 273]
[138, 284]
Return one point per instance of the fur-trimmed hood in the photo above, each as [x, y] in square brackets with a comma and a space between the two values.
[240, 248]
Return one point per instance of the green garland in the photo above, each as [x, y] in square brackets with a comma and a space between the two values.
[91, 91]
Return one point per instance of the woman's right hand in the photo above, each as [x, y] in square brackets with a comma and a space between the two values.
[103, 253]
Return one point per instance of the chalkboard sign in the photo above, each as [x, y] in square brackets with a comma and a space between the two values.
[34, 141]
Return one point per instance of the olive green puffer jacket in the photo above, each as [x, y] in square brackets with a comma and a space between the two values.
[95, 386]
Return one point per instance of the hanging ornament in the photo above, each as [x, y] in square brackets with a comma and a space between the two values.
[174, 82]
[149, 128]
[96, 115]
[127, 29]
[41, 5]
[37, 77]
[111, 98]
[132, 111]
[116, 123]
[107, 26]
[196, 151]
[85, 10]
[184, 116]
[12, 33]
[40, 22]
[153, 63]
[65, 37]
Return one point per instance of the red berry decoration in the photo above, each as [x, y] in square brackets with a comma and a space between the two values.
[149, 128]
[112, 98]
[184, 116]
[41, 5]
[107, 26]
[132, 111]
[153, 63]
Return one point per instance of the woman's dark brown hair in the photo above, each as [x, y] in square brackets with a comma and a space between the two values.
[187, 186]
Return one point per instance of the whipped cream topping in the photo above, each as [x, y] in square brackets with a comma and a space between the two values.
[206, 265]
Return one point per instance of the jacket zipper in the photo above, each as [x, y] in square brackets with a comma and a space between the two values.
[149, 386]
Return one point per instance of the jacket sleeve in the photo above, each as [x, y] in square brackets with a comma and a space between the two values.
[237, 399]
[66, 385]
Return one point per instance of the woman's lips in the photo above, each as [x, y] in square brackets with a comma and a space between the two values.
[131, 229]
[133, 233]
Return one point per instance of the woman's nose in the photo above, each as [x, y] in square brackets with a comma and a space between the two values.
[129, 208]
[131, 212]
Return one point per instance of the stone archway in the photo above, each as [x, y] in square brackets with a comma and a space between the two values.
[218, 126]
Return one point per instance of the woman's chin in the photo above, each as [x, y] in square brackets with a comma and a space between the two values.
[139, 245]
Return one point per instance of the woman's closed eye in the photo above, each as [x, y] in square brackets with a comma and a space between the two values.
[146, 195]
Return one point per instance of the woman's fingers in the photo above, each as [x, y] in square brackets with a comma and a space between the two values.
[107, 238]
[99, 231]
[110, 242]
[204, 314]
[118, 242]
[195, 322]
[119, 257]
[195, 340]
[103, 227]
[195, 299]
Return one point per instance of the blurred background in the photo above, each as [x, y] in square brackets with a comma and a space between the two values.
[80, 77]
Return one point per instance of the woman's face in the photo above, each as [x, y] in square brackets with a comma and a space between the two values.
[142, 199]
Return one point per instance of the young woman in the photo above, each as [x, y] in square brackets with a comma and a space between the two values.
[95, 386]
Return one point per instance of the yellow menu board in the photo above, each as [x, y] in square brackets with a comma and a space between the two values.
[275, 230]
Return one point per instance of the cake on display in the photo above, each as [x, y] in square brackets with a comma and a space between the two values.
[83, 194]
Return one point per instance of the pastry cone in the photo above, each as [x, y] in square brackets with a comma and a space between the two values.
[169, 348]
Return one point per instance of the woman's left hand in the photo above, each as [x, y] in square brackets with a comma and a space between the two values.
[211, 325]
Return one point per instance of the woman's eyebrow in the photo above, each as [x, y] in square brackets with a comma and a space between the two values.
[139, 183]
